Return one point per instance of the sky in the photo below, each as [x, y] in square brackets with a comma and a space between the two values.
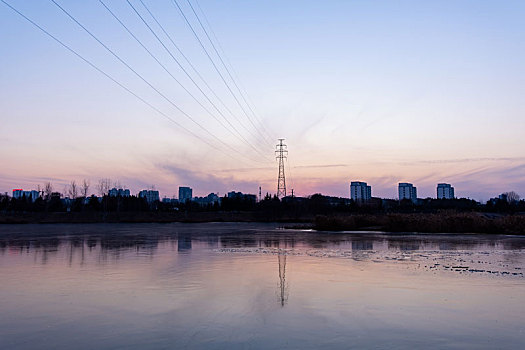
[376, 91]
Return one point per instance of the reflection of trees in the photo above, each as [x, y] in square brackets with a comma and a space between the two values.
[103, 246]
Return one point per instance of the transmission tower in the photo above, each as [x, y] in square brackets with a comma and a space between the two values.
[281, 153]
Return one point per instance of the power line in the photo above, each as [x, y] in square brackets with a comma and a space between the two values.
[222, 61]
[67, 47]
[217, 69]
[179, 64]
[167, 71]
[249, 101]
[213, 92]
[193, 68]
[142, 78]
[290, 176]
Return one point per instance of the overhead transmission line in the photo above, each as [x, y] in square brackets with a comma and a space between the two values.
[92, 65]
[121, 85]
[217, 68]
[190, 64]
[240, 137]
[177, 61]
[222, 61]
[249, 101]
[143, 79]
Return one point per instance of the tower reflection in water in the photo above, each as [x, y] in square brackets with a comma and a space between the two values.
[283, 288]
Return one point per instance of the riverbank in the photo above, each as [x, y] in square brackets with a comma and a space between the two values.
[146, 217]
[441, 222]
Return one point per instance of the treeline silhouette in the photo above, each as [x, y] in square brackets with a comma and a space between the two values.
[270, 207]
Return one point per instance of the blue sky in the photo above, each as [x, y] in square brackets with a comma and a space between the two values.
[383, 92]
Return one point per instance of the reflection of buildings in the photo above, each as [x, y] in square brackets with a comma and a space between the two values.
[404, 245]
[184, 243]
[362, 245]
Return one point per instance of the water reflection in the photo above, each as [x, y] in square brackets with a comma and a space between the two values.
[112, 241]
[283, 288]
[362, 245]
[183, 242]
[256, 286]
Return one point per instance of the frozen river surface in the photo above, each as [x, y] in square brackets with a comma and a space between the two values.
[256, 286]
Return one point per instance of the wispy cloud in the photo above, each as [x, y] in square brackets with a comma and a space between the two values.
[243, 170]
[206, 182]
[314, 166]
[463, 160]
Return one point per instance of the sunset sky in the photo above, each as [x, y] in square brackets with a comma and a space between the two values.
[377, 91]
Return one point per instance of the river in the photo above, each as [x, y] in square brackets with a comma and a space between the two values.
[257, 286]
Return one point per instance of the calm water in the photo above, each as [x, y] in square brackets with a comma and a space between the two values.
[222, 286]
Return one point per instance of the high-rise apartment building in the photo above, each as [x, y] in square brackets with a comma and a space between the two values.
[407, 191]
[445, 191]
[360, 191]
[185, 194]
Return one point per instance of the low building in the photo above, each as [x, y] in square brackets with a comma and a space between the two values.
[242, 196]
[407, 191]
[170, 200]
[151, 196]
[445, 191]
[114, 192]
[360, 192]
[20, 193]
[210, 199]
[185, 194]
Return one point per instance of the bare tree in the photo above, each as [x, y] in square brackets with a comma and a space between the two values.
[73, 190]
[103, 186]
[84, 188]
[48, 189]
[512, 196]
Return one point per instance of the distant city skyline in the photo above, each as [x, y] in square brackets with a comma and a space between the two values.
[360, 192]
[420, 92]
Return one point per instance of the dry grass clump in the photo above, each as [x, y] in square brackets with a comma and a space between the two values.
[442, 222]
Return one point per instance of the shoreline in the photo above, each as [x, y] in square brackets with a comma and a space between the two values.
[441, 222]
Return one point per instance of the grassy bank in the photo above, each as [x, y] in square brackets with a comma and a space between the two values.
[146, 217]
[441, 222]
[444, 222]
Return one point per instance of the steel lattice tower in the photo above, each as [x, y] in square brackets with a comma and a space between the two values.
[281, 153]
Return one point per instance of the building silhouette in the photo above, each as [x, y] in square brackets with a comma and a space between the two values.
[185, 194]
[151, 196]
[20, 193]
[360, 192]
[445, 191]
[407, 191]
[114, 192]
